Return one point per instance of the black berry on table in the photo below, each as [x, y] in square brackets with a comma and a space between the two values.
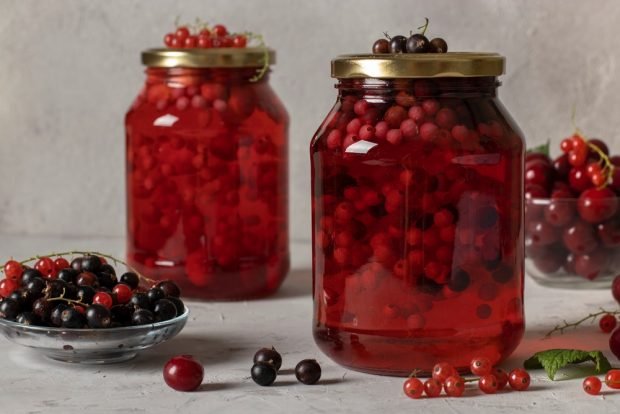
[308, 371]
[263, 373]
[269, 355]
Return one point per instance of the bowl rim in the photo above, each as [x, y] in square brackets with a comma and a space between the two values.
[105, 331]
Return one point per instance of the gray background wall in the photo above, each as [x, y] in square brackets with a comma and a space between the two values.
[70, 68]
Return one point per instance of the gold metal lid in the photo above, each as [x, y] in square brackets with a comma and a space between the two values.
[225, 57]
[420, 65]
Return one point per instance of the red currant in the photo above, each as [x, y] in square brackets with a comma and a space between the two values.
[227, 41]
[168, 38]
[612, 379]
[519, 379]
[46, 267]
[607, 323]
[413, 388]
[614, 343]
[204, 42]
[443, 370]
[239, 41]
[122, 292]
[488, 384]
[454, 386]
[432, 387]
[191, 42]
[61, 263]
[578, 179]
[566, 145]
[480, 366]
[204, 32]
[13, 269]
[596, 205]
[592, 385]
[501, 376]
[219, 30]
[183, 373]
[7, 286]
[103, 298]
[181, 34]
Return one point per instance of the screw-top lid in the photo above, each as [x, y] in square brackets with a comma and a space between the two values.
[226, 57]
[418, 65]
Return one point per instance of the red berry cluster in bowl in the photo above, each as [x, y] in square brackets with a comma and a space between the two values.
[83, 293]
[205, 37]
[572, 217]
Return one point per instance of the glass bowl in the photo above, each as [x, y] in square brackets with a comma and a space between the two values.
[568, 247]
[92, 346]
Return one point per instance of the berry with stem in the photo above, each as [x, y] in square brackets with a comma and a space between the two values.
[454, 386]
[591, 317]
[443, 370]
[607, 323]
[413, 388]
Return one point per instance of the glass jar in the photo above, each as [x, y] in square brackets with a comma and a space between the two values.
[417, 196]
[207, 160]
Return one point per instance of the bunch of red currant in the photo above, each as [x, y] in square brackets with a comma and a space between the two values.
[592, 385]
[204, 37]
[445, 376]
[83, 293]
[572, 207]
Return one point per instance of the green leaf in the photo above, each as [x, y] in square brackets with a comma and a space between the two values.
[543, 149]
[554, 359]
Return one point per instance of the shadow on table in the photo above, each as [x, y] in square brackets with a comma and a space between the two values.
[297, 283]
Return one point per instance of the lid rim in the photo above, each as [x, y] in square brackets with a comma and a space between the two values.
[225, 57]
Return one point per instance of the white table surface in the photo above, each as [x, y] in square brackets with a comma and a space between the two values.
[225, 335]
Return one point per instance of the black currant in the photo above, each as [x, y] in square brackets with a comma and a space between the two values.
[381, 46]
[398, 44]
[85, 294]
[106, 280]
[72, 319]
[18, 296]
[269, 355]
[131, 279]
[91, 263]
[42, 308]
[164, 310]
[155, 294]
[56, 315]
[438, 45]
[76, 264]
[98, 316]
[27, 318]
[121, 314]
[29, 275]
[55, 288]
[107, 268]
[142, 317]
[140, 300]
[308, 371]
[36, 286]
[87, 279]
[418, 43]
[9, 309]
[169, 288]
[67, 275]
[263, 373]
[178, 303]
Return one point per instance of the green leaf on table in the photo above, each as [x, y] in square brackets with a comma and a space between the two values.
[543, 149]
[554, 359]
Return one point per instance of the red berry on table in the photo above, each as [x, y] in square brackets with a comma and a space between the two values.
[168, 38]
[592, 385]
[488, 384]
[181, 34]
[501, 376]
[432, 387]
[614, 343]
[219, 30]
[443, 370]
[454, 386]
[596, 205]
[13, 269]
[46, 267]
[183, 373]
[607, 323]
[519, 379]
[612, 378]
[481, 366]
[413, 388]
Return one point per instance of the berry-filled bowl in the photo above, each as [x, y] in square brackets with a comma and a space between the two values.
[92, 346]
[81, 311]
[572, 215]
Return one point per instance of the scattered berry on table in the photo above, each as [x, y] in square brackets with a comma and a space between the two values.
[454, 386]
[308, 371]
[481, 366]
[413, 388]
[183, 373]
[263, 373]
[519, 379]
[269, 355]
[592, 385]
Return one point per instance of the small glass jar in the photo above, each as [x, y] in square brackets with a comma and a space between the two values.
[207, 160]
[417, 196]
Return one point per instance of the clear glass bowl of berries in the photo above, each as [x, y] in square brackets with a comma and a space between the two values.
[207, 167]
[417, 211]
[572, 215]
[81, 311]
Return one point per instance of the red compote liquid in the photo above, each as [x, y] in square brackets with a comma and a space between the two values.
[207, 162]
[417, 217]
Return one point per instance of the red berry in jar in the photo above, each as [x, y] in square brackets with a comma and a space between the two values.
[183, 373]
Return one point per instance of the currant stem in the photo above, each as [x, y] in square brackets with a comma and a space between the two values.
[565, 325]
[262, 71]
[424, 27]
[608, 167]
[387, 36]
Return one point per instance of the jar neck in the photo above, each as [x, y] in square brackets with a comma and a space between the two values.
[195, 76]
[421, 88]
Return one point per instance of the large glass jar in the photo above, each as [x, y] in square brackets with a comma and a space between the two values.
[417, 196]
[207, 159]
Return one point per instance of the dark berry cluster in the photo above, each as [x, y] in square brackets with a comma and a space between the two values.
[572, 208]
[415, 43]
[204, 37]
[267, 363]
[446, 377]
[83, 293]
